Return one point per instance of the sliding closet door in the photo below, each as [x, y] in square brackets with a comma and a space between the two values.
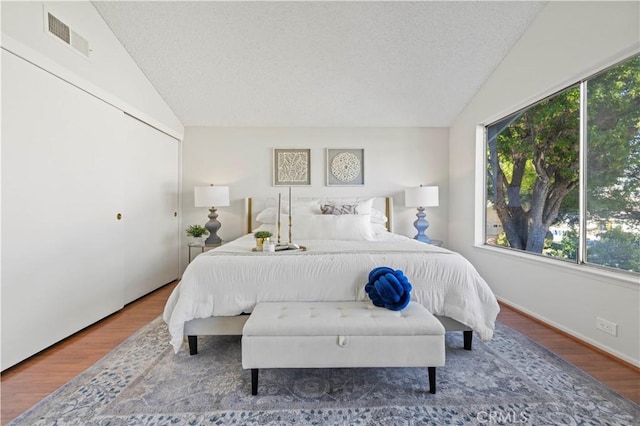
[61, 194]
[151, 172]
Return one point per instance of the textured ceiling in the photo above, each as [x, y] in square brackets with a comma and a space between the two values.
[317, 63]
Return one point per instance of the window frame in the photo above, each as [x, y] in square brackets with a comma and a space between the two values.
[481, 180]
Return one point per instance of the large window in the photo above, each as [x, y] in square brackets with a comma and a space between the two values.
[563, 175]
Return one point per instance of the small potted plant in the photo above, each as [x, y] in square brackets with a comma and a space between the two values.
[196, 232]
[261, 236]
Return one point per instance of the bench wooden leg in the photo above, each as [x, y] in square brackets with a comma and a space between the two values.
[193, 345]
[254, 381]
[468, 339]
[432, 379]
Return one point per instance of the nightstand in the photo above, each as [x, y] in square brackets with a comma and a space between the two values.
[202, 248]
[436, 243]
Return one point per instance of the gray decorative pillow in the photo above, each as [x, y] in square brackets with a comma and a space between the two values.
[339, 209]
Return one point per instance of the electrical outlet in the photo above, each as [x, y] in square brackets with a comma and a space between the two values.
[607, 326]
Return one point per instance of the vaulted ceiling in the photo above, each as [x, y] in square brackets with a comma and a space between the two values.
[312, 63]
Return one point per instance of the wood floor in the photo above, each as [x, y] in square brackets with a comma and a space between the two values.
[619, 376]
[30, 381]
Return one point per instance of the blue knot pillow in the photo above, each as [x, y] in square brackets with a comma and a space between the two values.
[388, 288]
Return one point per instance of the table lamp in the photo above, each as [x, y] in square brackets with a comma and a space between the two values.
[211, 196]
[421, 197]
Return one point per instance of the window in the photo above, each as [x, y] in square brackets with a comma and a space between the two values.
[563, 175]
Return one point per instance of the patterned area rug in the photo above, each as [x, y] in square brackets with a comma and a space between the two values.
[509, 380]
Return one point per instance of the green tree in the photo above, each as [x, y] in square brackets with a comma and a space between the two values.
[616, 248]
[534, 156]
[534, 164]
[613, 135]
[567, 248]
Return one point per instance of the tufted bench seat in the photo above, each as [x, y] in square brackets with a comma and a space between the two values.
[341, 334]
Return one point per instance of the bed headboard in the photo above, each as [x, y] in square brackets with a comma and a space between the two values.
[252, 206]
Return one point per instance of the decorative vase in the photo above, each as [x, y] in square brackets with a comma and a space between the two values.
[197, 241]
[259, 242]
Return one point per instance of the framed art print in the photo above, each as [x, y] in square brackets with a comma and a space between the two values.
[345, 167]
[291, 167]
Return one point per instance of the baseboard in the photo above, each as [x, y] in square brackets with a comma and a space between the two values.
[583, 342]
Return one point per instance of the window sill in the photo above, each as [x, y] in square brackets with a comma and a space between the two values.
[621, 279]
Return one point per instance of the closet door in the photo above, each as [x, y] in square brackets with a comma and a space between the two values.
[152, 234]
[61, 194]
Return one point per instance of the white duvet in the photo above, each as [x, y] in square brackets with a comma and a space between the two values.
[231, 279]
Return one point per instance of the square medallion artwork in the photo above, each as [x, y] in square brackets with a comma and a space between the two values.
[345, 167]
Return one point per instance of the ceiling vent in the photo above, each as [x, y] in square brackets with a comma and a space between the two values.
[62, 31]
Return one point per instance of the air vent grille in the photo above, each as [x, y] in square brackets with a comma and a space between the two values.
[67, 35]
[59, 29]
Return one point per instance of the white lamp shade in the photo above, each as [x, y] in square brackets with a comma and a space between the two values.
[210, 196]
[422, 196]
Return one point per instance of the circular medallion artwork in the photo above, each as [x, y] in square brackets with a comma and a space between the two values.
[345, 166]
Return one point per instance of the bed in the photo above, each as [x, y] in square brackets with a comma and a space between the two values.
[342, 240]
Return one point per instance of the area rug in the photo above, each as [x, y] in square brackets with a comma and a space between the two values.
[508, 380]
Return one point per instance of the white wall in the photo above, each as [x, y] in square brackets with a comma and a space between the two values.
[108, 73]
[567, 41]
[394, 158]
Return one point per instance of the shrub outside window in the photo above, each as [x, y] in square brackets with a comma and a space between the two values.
[563, 175]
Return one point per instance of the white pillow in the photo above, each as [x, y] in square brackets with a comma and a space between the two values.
[378, 217]
[268, 215]
[267, 220]
[301, 207]
[352, 227]
[361, 206]
[378, 229]
[338, 209]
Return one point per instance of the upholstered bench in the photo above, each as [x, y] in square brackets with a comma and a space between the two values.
[341, 334]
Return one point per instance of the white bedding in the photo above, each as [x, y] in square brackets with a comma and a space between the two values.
[231, 279]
